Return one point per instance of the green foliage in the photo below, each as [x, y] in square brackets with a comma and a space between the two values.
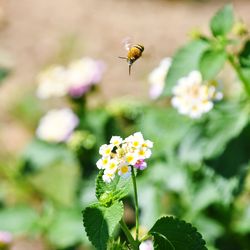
[208, 139]
[212, 61]
[66, 228]
[58, 182]
[100, 222]
[244, 56]
[116, 245]
[164, 126]
[185, 60]
[222, 22]
[40, 154]
[18, 220]
[3, 74]
[107, 193]
[171, 233]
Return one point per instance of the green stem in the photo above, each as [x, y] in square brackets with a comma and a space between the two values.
[136, 206]
[239, 73]
[130, 238]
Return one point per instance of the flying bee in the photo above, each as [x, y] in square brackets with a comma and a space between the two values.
[134, 52]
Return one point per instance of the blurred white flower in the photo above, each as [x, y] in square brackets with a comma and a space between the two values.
[75, 79]
[82, 74]
[192, 97]
[157, 78]
[146, 245]
[57, 125]
[52, 83]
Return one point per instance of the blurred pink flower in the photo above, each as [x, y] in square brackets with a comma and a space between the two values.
[5, 238]
[75, 79]
[83, 74]
[146, 245]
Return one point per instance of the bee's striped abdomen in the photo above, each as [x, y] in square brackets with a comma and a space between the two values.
[140, 47]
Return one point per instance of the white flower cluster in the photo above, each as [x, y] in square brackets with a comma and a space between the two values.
[192, 97]
[157, 78]
[57, 125]
[120, 155]
[74, 80]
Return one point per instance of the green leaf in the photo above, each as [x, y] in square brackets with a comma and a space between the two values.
[59, 182]
[173, 234]
[107, 193]
[244, 56]
[40, 154]
[246, 74]
[242, 224]
[223, 20]
[18, 220]
[100, 222]
[164, 126]
[185, 60]
[66, 228]
[211, 63]
[209, 138]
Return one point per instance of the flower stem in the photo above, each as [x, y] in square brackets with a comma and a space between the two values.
[239, 73]
[136, 206]
[130, 238]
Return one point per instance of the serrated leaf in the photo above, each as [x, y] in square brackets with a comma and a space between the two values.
[107, 193]
[185, 60]
[174, 234]
[211, 63]
[161, 242]
[222, 21]
[100, 222]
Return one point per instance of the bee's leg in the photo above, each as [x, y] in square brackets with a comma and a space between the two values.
[122, 57]
[129, 68]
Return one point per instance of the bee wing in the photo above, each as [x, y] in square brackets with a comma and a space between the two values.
[127, 43]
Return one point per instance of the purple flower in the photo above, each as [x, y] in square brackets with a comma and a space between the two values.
[140, 164]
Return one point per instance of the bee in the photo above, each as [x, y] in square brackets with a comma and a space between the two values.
[134, 52]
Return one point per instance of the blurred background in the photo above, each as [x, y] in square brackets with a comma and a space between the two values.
[37, 34]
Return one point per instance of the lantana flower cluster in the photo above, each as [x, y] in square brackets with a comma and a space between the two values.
[74, 80]
[121, 155]
[193, 97]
